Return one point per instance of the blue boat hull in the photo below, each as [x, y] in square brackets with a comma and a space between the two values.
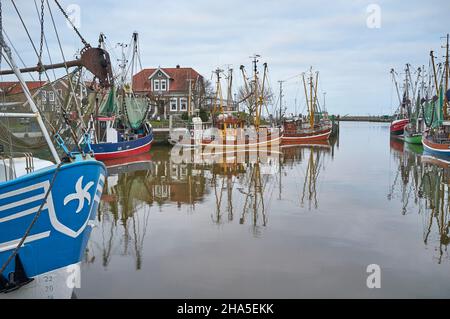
[106, 151]
[60, 234]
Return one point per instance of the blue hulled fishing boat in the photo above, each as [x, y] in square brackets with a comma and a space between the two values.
[46, 205]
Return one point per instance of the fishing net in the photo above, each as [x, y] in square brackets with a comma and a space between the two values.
[108, 106]
[432, 111]
[136, 109]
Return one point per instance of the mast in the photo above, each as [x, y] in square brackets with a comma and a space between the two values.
[281, 98]
[434, 73]
[255, 79]
[406, 93]
[6, 53]
[133, 57]
[306, 92]
[311, 110]
[316, 85]
[123, 64]
[396, 86]
[446, 78]
[229, 88]
[261, 97]
[218, 101]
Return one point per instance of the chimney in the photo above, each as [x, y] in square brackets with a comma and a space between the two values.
[178, 66]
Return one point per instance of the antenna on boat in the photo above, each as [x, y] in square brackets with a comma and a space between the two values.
[446, 70]
[123, 63]
[281, 100]
[218, 105]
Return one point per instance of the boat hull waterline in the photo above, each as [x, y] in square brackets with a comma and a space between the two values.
[397, 127]
[290, 139]
[108, 151]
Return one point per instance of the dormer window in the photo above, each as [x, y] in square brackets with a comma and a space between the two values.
[155, 85]
[159, 73]
[163, 85]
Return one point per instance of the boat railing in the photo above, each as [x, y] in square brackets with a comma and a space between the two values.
[442, 140]
[10, 168]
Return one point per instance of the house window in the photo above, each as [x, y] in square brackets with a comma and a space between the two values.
[156, 85]
[163, 85]
[173, 104]
[51, 96]
[59, 93]
[44, 96]
[183, 104]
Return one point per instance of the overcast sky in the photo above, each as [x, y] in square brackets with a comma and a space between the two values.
[290, 35]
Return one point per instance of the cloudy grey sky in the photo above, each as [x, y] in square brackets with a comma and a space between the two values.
[290, 35]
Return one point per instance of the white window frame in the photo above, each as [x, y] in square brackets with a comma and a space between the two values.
[184, 101]
[173, 99]
[51, 96]
[156, 86]
[163, 82]
[44, 96]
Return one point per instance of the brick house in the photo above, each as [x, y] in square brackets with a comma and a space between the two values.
[169, 88]
[12, 99]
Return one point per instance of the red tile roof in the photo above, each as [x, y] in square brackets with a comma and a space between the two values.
[13, 87]
[178, 79]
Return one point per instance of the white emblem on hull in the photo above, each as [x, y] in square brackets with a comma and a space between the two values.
[80, 194]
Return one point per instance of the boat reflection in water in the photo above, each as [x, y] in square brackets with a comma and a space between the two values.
[423, 183]
[312, 155]
[242, 188]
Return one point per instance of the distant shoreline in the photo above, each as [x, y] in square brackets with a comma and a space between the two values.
[365, 119]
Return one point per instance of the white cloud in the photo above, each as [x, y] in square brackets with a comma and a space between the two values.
[354, 61]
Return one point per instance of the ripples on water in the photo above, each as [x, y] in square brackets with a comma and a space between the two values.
[305, 222]
[302, 223]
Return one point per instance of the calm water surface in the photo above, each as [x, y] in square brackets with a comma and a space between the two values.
[305, 223]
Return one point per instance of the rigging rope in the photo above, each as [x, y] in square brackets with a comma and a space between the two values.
[41, 44]
[87, 45]
[45, 41]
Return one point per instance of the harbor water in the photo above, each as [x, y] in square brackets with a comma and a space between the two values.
[304, 223]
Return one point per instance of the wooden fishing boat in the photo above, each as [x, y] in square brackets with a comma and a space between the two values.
[437, 142]
[412, 137]
[317, 128]
[397, 127]
[295, 133]
[409, 123]
[229, 131]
